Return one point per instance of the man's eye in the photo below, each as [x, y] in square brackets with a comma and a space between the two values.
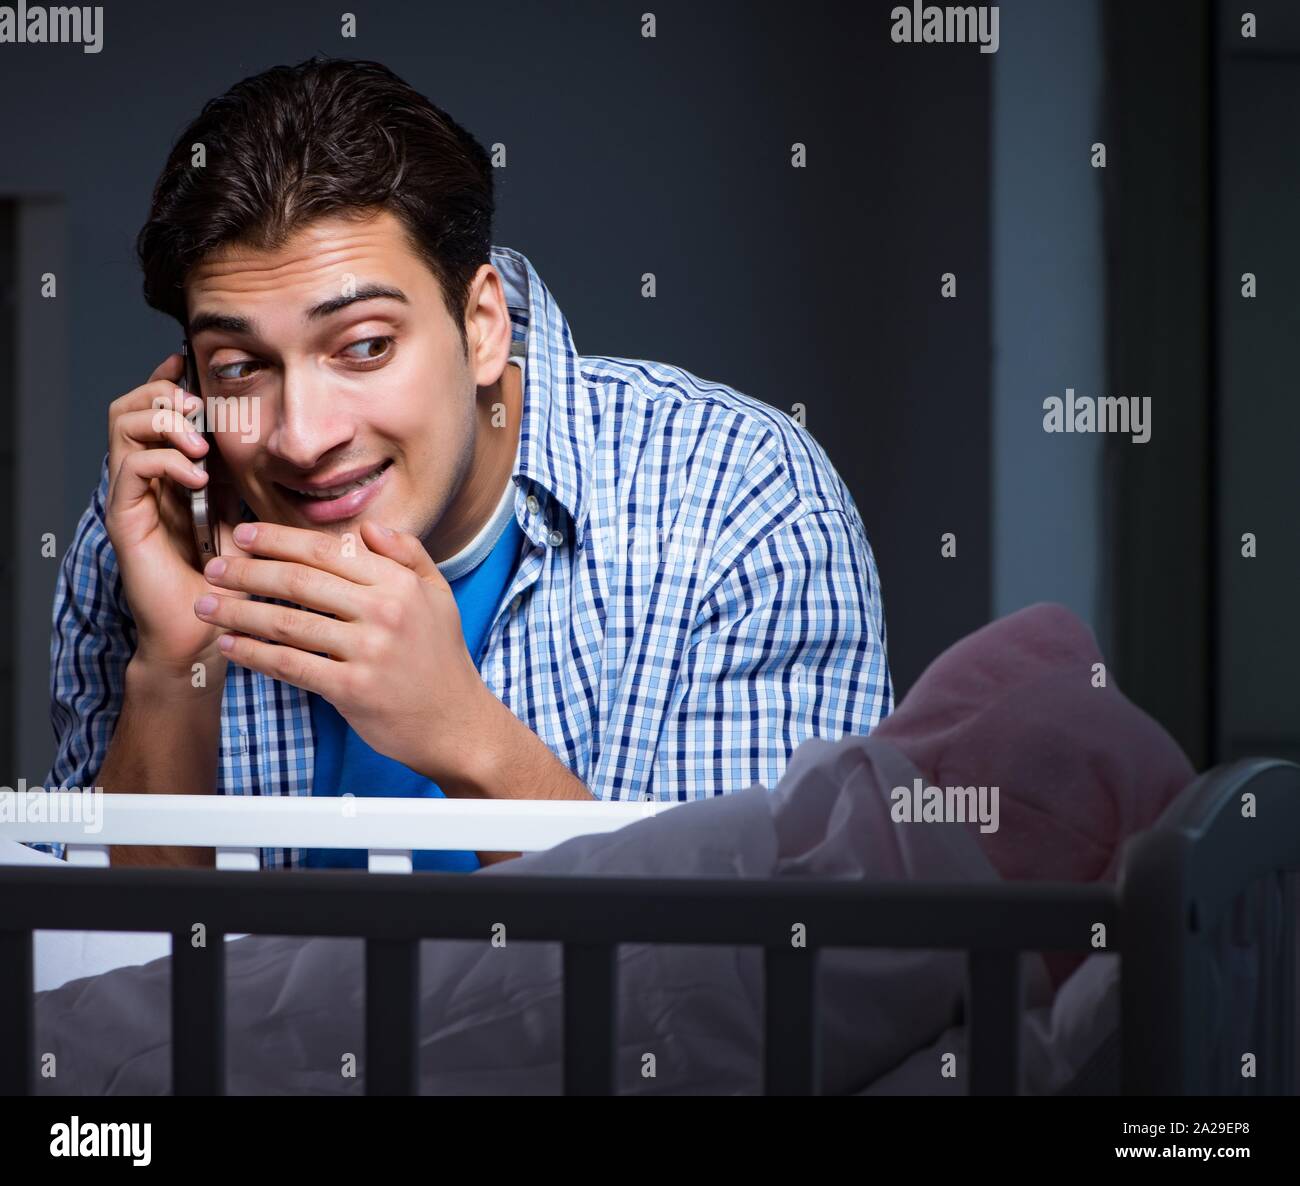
[371, 348]
[367, 349]
[217, 371]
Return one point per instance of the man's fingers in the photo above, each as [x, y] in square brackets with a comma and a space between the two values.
[298, 583]
[345, 556]
[288, 664]
[155, 393]
[138, 470]
[171, 368]
[152, 426]
[403, 547]
[277, 623]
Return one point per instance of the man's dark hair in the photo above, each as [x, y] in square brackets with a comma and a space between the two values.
[325, 137]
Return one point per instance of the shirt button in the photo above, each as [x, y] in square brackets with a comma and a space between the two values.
[556, 538]
[648, 795]
[533, 504]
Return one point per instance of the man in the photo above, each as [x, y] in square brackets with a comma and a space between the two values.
[440, 573]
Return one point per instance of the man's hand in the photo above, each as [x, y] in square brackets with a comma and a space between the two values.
[390, 655]
[150, 451]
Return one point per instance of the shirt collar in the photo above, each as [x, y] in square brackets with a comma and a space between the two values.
[557, 431]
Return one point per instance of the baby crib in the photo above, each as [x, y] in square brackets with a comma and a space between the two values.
[1230, 842]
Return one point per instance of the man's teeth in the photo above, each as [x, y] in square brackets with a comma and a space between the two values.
[339, 491]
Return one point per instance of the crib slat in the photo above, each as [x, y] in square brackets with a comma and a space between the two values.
[993, 1022]
[198, 1014]
[248, 859]
[589, 1018]
[1259, 905]
[389, 861]
[16, 1014]
[792, 1044]
[392, 999]
[94, 856]
[1286, 982]
[1275, 936]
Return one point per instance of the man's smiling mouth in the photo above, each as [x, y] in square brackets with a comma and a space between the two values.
[320, 493]
[346, 495]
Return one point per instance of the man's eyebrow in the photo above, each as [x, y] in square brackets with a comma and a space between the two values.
[232, 323]
[367, 292]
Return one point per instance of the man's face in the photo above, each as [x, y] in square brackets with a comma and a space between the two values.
[365, 408]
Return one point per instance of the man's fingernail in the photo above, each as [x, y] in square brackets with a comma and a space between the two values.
[205, 604]
[387, 530]
[245, 533]
[215, 568]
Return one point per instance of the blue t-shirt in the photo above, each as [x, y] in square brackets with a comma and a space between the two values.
[344, 764]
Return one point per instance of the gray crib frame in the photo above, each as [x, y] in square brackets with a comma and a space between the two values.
[1178, 878]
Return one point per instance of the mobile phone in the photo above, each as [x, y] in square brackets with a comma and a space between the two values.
[206, 535]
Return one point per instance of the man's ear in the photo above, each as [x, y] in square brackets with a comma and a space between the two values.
[487, 326]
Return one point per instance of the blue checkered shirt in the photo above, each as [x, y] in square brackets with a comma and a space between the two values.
[695, 597]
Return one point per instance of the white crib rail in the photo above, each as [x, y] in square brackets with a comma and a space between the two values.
[237, 826]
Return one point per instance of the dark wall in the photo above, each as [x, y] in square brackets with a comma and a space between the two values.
[1160, 326]
[817, 286]
[1257, 414]
[8, 552]
[1203, 190]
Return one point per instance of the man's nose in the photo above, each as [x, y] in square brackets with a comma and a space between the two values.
[309, 425]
